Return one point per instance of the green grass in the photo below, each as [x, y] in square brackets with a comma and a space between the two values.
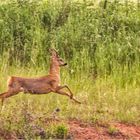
[102, 97]
[104, 100]
[112, 130]
[101, 47]
[103, 39]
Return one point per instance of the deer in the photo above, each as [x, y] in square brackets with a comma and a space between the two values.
[41, 85]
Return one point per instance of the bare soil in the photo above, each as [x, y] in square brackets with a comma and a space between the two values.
[84, 131]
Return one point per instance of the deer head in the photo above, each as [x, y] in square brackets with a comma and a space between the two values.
[57, 58]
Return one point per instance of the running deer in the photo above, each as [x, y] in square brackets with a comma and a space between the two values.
[41, 85]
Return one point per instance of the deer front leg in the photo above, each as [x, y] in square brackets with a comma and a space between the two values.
[65, 86]
[64, 93]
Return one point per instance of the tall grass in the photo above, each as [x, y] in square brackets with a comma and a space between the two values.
[97, 39]
[101, 45]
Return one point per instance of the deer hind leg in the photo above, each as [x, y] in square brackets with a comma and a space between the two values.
[2, 96]
[9, 93]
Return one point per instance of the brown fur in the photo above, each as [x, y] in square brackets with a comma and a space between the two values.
[41, 85]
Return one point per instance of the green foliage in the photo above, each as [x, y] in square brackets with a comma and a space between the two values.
[96, 39]
[113, 130]
[102, 47]
[57, 130]
[61, 131]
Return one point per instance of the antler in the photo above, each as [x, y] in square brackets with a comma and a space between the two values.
[52, 50]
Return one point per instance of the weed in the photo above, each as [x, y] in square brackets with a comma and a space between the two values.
[57, 130]
[61, 131]
[113, 130]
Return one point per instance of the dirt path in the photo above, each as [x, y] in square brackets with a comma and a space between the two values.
[84, 131]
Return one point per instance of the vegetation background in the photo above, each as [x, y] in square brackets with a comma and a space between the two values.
[99, 40]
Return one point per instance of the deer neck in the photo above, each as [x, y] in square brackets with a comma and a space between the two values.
[55, 69]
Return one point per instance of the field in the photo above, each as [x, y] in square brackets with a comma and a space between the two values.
[101, 44]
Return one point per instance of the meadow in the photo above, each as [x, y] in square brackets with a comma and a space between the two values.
[100, 43]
